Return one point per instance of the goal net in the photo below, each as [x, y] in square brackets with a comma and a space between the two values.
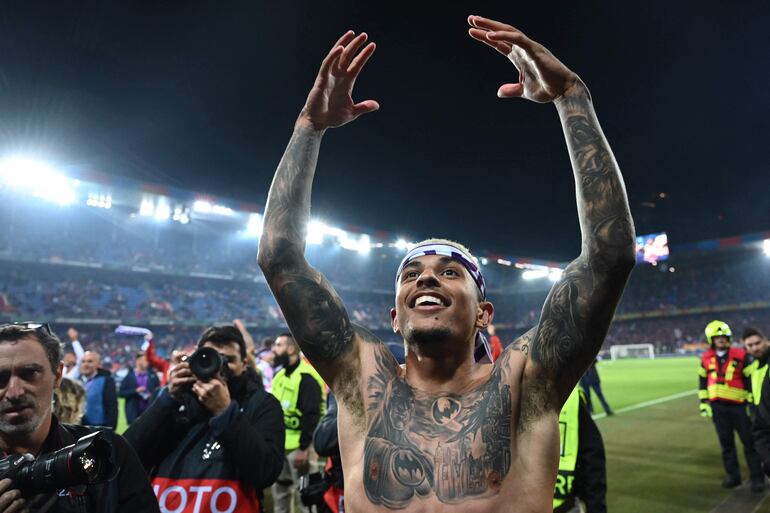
[632, 351]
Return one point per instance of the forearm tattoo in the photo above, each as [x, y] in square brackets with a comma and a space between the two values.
[313, 310]
[579, 308]
[453, 447]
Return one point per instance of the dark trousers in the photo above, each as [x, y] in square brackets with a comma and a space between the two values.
[597, 388]
[729, 417]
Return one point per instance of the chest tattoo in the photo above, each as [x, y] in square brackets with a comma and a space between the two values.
[453, 447]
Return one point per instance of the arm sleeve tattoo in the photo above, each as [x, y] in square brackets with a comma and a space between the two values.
[313, 310]
[578, 310]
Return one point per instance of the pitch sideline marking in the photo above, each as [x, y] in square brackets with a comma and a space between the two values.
[645, 404]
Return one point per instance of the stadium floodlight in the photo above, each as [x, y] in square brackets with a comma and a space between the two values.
[503, 261]
[222, 210]
[534, 274]
[202, 207]
[162, 211]
[401, 244]
[364, 244]
[554, 274]
[484, 261]
[147, 208]
[254, 227]
[99, 200]
[766, 246]
[38, 179]
[315, 232]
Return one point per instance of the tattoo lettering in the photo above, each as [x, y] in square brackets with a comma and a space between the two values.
[453, 447]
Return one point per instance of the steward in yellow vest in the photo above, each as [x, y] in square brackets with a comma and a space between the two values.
[288, 385]
[582, 465]
[301, 392]
[758, 346]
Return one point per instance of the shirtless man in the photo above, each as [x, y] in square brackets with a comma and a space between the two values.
[445, 433]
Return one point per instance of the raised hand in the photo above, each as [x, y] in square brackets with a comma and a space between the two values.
[542, 77]
[330, 102]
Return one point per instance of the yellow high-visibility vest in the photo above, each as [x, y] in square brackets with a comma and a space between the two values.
[286, 390]
[568, 448]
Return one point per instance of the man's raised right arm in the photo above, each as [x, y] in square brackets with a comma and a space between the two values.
[313, 310]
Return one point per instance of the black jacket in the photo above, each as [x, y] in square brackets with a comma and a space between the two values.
[239, 452]
[327, 443]
[128, 492]
[128, 391]
[591, 470]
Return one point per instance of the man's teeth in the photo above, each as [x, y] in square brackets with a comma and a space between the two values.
[428, 299]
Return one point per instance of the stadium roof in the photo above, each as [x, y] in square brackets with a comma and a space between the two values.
[203, 96]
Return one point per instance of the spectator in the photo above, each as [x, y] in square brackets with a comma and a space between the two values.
[265, 361]
[101, 395]
[300, 390]
[227, 443]
[33, 428]
[138, 387]
[69, 401]
[590, 381]
[72, 360]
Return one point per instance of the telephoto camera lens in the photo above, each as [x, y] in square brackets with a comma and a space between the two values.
[206, 363]
[87, 461]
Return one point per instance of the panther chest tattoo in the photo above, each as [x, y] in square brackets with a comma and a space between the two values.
[453, 447]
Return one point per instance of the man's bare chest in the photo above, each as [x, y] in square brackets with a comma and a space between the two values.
[447, 446]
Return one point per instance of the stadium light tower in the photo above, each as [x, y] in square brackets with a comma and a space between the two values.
[39, 179]
[766, 247]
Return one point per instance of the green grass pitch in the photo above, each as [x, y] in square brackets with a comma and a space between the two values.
[664, 457]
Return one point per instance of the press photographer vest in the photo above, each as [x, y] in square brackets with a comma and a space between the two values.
[286, 390]
[568, 448]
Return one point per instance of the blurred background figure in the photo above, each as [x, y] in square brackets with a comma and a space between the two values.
[138, 388]
[101, 394]
[69, 401]
[590, 381]
[73, 355]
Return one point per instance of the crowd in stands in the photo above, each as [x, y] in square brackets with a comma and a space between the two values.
[105, 267]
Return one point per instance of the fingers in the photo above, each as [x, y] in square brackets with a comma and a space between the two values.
[350, 50]
[335, 52]
[10, 500]
[481, 35]
[513, 38]
[510, 90]
[358, 63]
[488, 24]
[365, 107]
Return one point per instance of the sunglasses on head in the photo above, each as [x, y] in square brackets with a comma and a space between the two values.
[31, 326]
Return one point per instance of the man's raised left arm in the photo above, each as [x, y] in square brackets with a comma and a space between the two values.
[578, 310]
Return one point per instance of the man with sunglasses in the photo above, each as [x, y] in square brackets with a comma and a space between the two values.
[30, 370]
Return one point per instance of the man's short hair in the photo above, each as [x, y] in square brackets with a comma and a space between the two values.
[48, 339]
[267, 343]
[222, 336]
[750, 332]
[139, 354]
[290, 337]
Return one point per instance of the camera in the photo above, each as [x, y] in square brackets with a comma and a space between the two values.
[207, 363]
[87, 461]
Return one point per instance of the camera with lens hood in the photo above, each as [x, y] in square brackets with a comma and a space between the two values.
[87, 461]
[206, 363]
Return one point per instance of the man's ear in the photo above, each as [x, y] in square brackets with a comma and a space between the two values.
[393, 320]
[58, 375]
[484, 315]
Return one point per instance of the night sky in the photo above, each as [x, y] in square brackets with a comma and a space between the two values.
[203, 95]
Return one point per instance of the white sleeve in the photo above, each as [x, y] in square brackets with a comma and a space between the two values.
[79, 352]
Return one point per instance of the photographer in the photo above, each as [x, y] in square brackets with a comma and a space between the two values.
[213, 443]
[30, 370]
